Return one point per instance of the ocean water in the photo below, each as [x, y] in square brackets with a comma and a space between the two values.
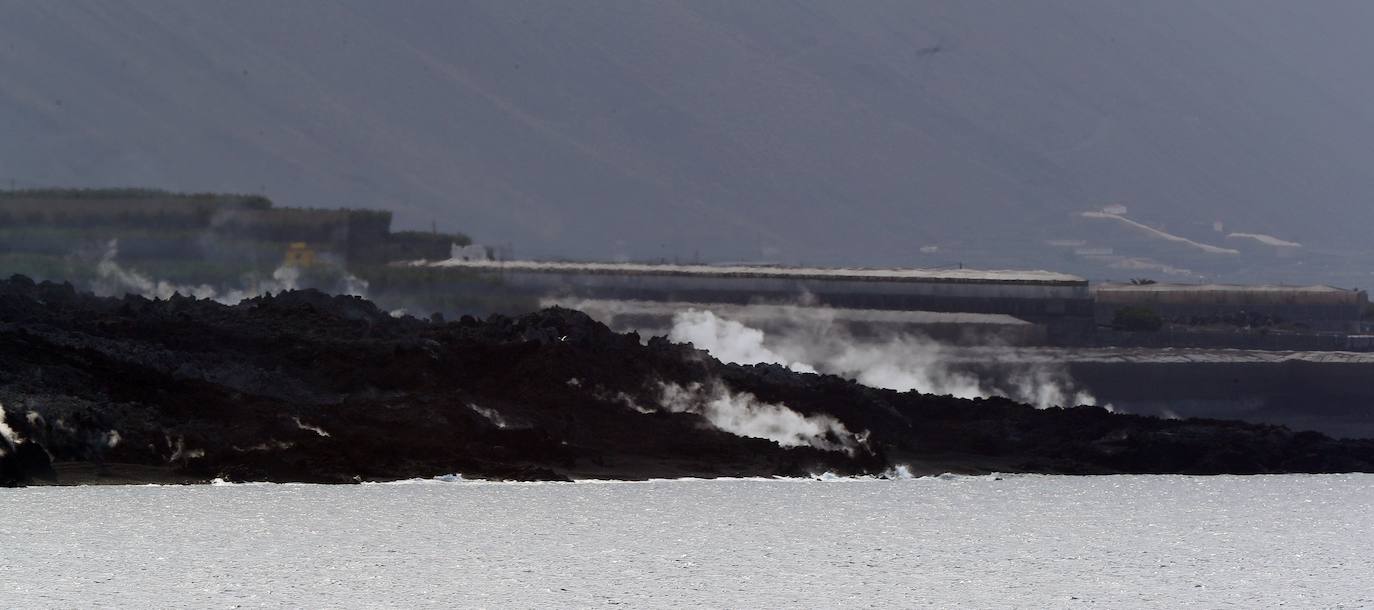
[1010, 541]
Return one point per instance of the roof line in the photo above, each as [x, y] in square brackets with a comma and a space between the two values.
[816, 273]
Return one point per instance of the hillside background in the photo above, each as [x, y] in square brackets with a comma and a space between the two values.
[875, 133]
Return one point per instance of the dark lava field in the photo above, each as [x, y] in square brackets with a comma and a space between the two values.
[309, 387]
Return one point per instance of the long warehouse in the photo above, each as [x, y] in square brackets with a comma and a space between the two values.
[1062, 303]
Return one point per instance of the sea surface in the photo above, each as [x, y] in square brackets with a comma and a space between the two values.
[939, 542]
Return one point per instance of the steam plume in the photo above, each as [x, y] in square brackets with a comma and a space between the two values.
[742, 414]
[899, 362]
[492, 415]
[727, 340]
[304, 426]
[113, 279]
[7, 434]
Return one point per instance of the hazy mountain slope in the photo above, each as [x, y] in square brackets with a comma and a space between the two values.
[812, 131]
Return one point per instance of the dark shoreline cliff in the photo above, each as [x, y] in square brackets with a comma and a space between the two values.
[309, 387]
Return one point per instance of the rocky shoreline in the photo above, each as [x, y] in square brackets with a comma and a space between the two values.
[315, 388]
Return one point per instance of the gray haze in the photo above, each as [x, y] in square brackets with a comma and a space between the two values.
[820, 132]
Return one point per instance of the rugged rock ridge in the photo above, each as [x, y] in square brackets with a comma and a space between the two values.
[309, 387]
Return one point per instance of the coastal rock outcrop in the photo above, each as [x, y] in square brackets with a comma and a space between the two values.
[303, 386]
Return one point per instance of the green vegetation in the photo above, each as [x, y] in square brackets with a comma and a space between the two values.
[1137, 319]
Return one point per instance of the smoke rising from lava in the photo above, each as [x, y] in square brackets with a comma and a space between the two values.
[902, 361]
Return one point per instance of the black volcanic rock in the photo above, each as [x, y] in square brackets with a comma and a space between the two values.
[305, 386]
[23, 462]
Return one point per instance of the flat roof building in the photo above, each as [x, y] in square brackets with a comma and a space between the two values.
[1324, 308]
[1061, 302]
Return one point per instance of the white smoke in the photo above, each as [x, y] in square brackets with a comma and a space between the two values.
[492, 415]
[178, 448]
[179, 451]
[628, 401]
[727, 340]
[304, 426]
[901, 362]
[352, 285]
[7, 433]
[113, 279]
[742, 414]
[269, 445]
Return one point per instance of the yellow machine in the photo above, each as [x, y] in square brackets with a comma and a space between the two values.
[299, 254]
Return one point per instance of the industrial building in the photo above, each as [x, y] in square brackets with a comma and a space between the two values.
[656, 318]
[1061, 303]
[1315, 308]
[162, 229]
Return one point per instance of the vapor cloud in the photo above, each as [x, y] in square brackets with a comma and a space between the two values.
[304, 426]
[7, 434]
[900, 362]
[492, 415]
[728, 340]
[742, 414]
[114, 279]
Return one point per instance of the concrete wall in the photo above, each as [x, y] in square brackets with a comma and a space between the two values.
[1064, 308]
[1054, 299]
[1320, 308]
[656, 318]
[1230, 296]
[1249, 340]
